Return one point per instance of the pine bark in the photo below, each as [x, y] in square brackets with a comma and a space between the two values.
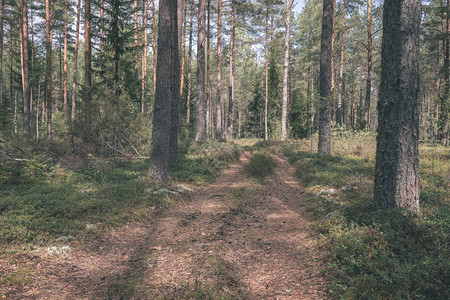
[230, 119]
[366, 120]
[286, 72]
[208, 71]
[219, 130]
[167, 52]
[2, 19]
[25, 73]
[136, 45]
[49, 67]
[339, 111]
[66, 16]
[200, 135]
[75, 65]
[444, 99]
[189, 87]
[183, 53]
[154, 45]
[87, 70]
[324, 145]
[144, 57]
[397, 155]
[175, 86]
[266, 102]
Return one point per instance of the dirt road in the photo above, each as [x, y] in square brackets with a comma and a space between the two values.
[238, 236]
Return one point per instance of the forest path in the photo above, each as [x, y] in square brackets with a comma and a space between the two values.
[238, 236]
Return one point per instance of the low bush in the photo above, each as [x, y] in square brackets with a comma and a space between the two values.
[260, 165]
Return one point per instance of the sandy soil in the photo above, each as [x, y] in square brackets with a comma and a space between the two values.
[239, 236]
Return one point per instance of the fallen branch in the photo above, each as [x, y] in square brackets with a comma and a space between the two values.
[23, 151]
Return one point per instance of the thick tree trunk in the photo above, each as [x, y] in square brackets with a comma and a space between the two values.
[189, 87]
[167, 52]
[25, 73]
[285, 72]
[324, 145]
[66, 16]
[200, 135]
[230, 120]
[366, 120]
[87, 70]
[49, 67]
[175, 86]
[397, 156]
[339, 111]
[219, 130]
[144, 57]
[154, 45]
[75, 65]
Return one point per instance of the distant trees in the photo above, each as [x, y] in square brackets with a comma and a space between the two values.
[397, 155]
[112, 100]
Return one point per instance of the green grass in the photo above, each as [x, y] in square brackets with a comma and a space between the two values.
[40, 200]
[371, 253]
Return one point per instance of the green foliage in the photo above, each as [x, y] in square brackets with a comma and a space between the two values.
[370, 253]
[200, 163]
[260, 165]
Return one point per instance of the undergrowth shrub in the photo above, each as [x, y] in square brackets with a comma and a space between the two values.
[201, 163]
[260, 165]
[43, 198]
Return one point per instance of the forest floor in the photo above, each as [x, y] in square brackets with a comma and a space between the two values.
[237, 238]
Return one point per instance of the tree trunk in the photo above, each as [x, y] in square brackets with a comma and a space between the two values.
[87, 70]
[154, 46]
[49, 67]
[136, 45]
[219, 130]
[75, 64]
[167, 52]
[443, 112]
[339, 111]
[208, 71]
[324, 145]
[266, 103]
[188, 97]
[102, 32]
[183, 53]
[144, 57]
[285, 72]
[366, 121]
[25, 73]
[200, 135]
[397, 156]
[230, 120]
[175, 86]
[2, 19]
[66, 108]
